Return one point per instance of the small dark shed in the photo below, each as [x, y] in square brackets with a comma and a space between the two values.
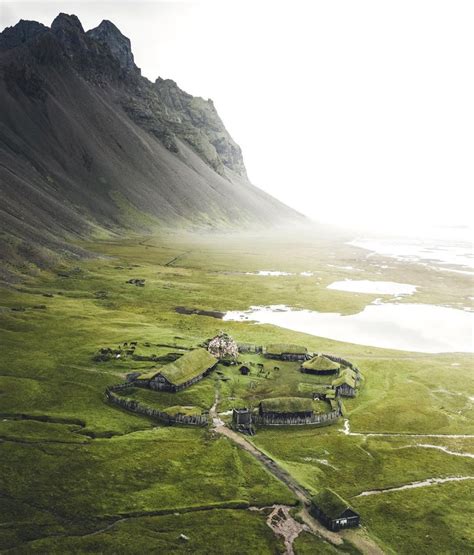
[242, 420]
[244, 370]
[333, 511]
[242, 416]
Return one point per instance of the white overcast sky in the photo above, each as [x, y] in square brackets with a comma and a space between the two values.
[351, 111]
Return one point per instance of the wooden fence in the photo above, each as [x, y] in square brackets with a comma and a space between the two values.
[286, 420]
[342, 361]
[136, 407]
[249, 348]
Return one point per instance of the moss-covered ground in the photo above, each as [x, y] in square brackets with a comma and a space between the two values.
[80, 475]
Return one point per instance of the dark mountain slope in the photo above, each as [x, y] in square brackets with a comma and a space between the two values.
[86, 142]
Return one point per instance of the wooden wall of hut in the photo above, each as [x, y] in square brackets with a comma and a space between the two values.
[293, 420]
[345, 390]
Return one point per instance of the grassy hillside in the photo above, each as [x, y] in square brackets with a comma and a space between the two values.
[79, 474]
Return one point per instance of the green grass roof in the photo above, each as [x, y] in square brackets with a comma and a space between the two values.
[346, 376]
[148, 375]
[185, 411]
[328, 501]
[320, 362]
[286, 348]
[188, 366]
[191, 364]
[287, 404]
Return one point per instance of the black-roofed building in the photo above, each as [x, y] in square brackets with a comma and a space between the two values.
[333, 511]
[242, 420]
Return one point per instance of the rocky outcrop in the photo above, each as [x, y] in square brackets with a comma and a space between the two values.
[108, 34]
[68, 30]
[196, 121]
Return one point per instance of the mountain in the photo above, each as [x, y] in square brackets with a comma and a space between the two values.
[88, 144]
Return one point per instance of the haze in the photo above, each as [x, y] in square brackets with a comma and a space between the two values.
[355, 113]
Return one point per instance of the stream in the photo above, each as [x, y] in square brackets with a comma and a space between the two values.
[420, 484]
[440, 448]
[346, 430]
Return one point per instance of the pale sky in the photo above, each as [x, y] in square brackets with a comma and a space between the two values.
[351, 111]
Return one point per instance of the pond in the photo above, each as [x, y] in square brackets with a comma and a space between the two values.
[403, 326]
[377, 287]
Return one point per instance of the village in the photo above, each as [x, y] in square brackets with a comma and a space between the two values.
[326, 380]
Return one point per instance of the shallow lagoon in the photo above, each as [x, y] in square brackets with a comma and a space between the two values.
[403, 326]
[425, 251]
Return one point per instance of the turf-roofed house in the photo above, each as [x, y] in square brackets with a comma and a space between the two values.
[286, 351]
[333, 511]
[283, 407]
[180, 374]
[320, 365]
[347, 382]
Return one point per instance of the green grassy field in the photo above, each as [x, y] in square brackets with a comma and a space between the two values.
[74, 465]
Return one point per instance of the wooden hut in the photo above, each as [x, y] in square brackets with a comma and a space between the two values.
[177, 375]
[242, 420]
[321, 365]
[286, 351]
[333, 511]
[346, 383]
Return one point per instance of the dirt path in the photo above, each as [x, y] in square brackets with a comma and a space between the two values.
[173, 260]
[363, 542]
[360, 539]
[219, 426]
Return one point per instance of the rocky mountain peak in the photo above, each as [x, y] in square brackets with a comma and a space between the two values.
[69, 31]
[67, 23]
[119, 45]
[22, 32]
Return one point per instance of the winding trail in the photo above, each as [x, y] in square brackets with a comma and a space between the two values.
[365, 544]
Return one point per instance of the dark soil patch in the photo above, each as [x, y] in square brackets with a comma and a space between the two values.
[199, 312]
